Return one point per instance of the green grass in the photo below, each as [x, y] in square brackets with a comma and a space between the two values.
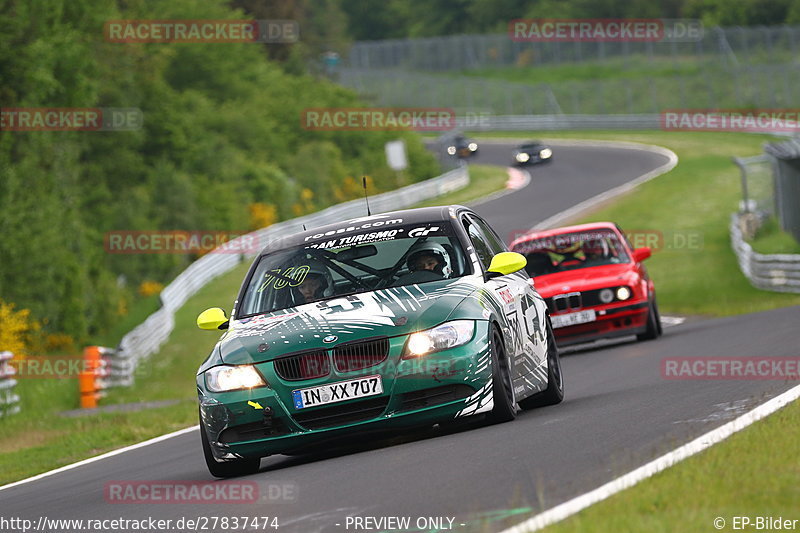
[484, 180]
[697, 196]
[40, 439]
[770, 239]
[138, 312]
[753, 473]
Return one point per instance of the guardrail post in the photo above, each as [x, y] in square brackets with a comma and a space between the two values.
[86, 378]
[9, 402]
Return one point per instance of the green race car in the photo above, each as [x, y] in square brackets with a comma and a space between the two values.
[391, 321]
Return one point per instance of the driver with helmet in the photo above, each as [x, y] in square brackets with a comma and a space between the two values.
[317, 284]
[426, 261]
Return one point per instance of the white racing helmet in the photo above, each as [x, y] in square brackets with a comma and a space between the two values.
[430, 248]
[316, 268]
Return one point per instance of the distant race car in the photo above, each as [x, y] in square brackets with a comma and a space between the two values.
[594, 282]
[390, 321]
[462, 147]
[532, 152]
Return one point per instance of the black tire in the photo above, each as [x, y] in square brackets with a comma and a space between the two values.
[554, 393]
[232, 468]
[654, 328]
[658, 318]
[505, 405]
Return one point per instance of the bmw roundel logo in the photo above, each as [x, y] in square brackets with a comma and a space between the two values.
[330, 338]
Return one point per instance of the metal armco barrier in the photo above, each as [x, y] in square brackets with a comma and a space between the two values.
[148, 337]
[773, 272]
[91, 382]
[9, 400]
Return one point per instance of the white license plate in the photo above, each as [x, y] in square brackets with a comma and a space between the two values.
[337, 392]
[570, 319]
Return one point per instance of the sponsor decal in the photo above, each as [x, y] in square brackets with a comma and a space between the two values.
[349, 229]
[363, 238]
[421, 232]
[506, 295]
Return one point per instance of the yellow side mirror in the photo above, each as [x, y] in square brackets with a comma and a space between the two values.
[212, 318]
[506, 263]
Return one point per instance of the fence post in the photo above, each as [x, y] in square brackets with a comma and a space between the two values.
[86, 378]
[9, 401]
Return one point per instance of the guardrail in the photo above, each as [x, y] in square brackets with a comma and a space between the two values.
[647, 121]
[771, 272]
[9, 400]
[556, 122]
[148, 336]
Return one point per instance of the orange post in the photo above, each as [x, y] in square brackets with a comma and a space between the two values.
[86, 378]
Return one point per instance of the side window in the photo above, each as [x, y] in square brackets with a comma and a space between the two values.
[482, 248]
[495, 243]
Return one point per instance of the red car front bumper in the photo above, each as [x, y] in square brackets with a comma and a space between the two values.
[616, 321]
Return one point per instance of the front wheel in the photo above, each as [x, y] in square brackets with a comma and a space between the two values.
[554, 393]
[505, 405]
[232, 468]
[654, 328]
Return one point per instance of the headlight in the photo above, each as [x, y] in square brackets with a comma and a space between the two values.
[623, 293]
[448, 335]
[546, 153]
[472, 147]
[606, 295]
[451, 150]
[522, 157]
[228, 378]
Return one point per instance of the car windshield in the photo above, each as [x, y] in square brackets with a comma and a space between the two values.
[354, 263]
[570, 251]
[533, 146]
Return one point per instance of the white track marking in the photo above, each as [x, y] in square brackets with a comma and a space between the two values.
[103, 456]
[669, 321]
[522, 180]
[569, 508]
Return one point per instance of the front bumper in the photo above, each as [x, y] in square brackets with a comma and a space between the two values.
[616, 321]
[417, 392]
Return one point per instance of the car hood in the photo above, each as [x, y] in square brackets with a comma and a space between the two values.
[386, 312]
[585, 279]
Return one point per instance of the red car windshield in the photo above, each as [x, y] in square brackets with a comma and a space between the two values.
[571, 251]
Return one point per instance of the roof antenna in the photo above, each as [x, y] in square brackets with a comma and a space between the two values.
[304, 227]
[364, 183]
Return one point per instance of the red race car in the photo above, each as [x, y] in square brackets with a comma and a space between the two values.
[593, 281]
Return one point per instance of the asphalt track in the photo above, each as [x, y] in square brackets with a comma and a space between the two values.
[619, 413]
